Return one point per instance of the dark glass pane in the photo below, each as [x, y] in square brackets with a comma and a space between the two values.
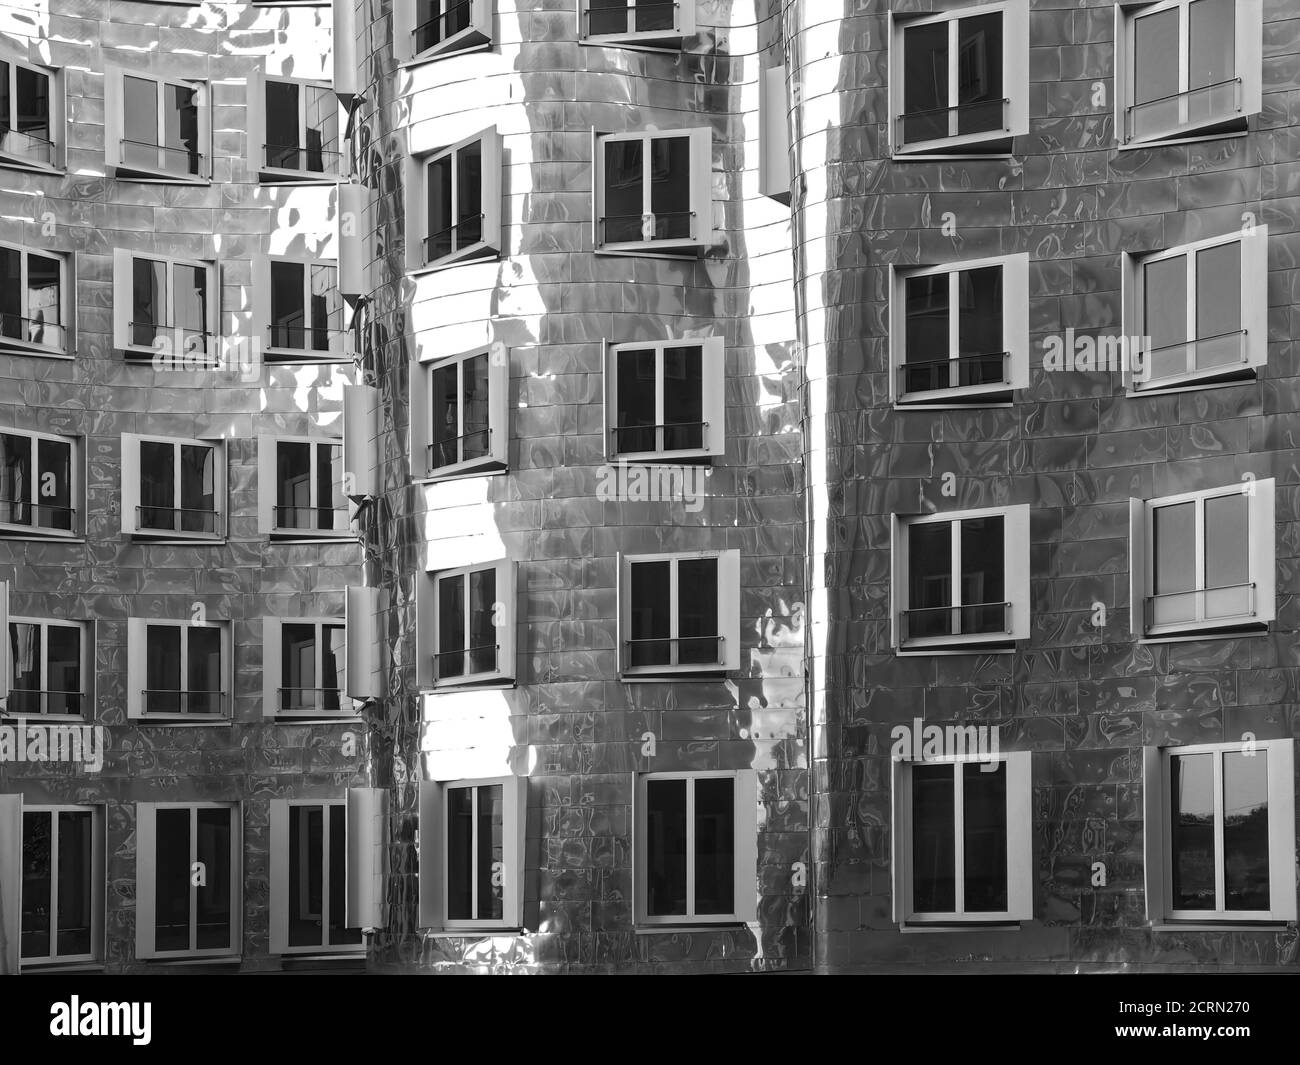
[636, 388]
[445, 423]
[204, 680]
[608, 16]
[1212, 60]
[54, 462]
[474, 406]
[670, 187]
[1218, 306]
[37, 927]
[298, 667]
[1156, 61]
[172, 880]
[650, 617]
[6, 100]
[624, 191]
[979, 74]
[282, 147]
[469, 196]
[16, 479]
[651, 15]
[181, 129]
[697, 611]
[64, 669]
[25, 657]
[460, 854]
[1227, 556]
[983, 575]
[306, 870]
[925, 82]
[482, 630]
[213, 899]
[11, 287]
[927, 345]
[44, 303]
[666, 848]
[1245, 830]
[1191, 781]
[148, 291]
[929, 580]
[934, 840]
[683, 398]
[979, 325]
[334, 664]
[340, 934]
[32, 115]
[715, 846]
[163, 669]
[326, 315]
[490, 853]
[1165, 302]
[76, 886]
[329, 487]
[439, 20]
[451, 626]
[288, 313]
[1173, 567]
[293, 485]
[198, 488]
[439, 217]
[984, 828]
[190, 295]
[140, 125]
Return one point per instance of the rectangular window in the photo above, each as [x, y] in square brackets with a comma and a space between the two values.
[696, 847]
[474, 622]
[294, 130]
[31, 115]
[165, 305]
[427, 29]
[961, 579]
[39, 484]
[49, 667]
[680, 613]
[306, 309]
[653, 191]
[454, 209]
[963, 846]
[1189, 68]
[1203, 562]
[300, 487]
[1220, 832]
[305, 665]
[173, 489]
[157, 128]
[464, 429]
[959, 81]
[666, 399]
[188, 879]
[309, 878]
[649, 23]
[62, 884]
[178, 670]
[35, 301]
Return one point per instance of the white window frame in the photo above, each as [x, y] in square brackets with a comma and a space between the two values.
[714, 399]
[683, 27]
[168, 341]
[1248, 61]
[114, 127]
[417, 213]
[273, 668]
[98, 883]
[421, 415]
[728, 614]
[146, 860]
[432, 850]
[17, 530]
[428, 634]
[67, 349]
[1015, 332]
[1253, 242]
[1015, 546]
[259, 168]
[131, 488]
[1157, 844]
[701, 193]
[1015, 78]
[10, 156]
[339, 337]
[268, 448]
[474, 37]
[280, 814]
[1020, 820]
[1261, 562]
[86, 638]
[745, 801]
[137, 639]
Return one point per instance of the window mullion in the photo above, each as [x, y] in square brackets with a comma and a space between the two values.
[1220, 900]
[473, 852]
[661, 387]
[1201, 582]
[954, 327]
[53, 952]
[326, 812]
[178, 479]
[1189, 356]
[460, 410]
[302, 126]
[954, 96]
[23, 265]
[674, 597]
[454, 179]
[959, 835]
[690, 846]
[647, 176]
[194, 890]
[44, 629]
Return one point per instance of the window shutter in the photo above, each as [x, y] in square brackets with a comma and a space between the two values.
[279, 817]
[1015, 65]
[70, 308]
[367, 837]
[362, 624]
[136, 657]
[640, 848]
[1263, 541]
[418, 411]
[345, 47]
[122, 296]
[499, 403]
[207, 164]
[272, 659]
[514, 795]
[146, 870]
[897, 332]
[1250, 54]
[746, 846]
[6, 671]
[609, 411]
[59, 119]
[430, 854]
[1281, 828]
[260, 304]
[491, 191]
[597, 186]
[130, 494]
[623, 603]
[255, 126]
[1153, 834]
[729, 608]
[715, 395]
[1137, 567]
[1020, 842]
[1016, 543]
[114, 125]
[898, 578]
[11, 877]
[898, 838]
[426, 628]
[774, 133]
[351, 265]
[1015, 318]
[507, 595]
[360, 440]
[267, 486]
[403, 29]
[701, 184]
[1254, 295]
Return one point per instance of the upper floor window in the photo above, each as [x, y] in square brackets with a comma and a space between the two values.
[49, 667]
[652, 23]
[960, 332]
[293, 130]
[165, 305]
[666, 399]
[309, 878]
[961, 579]
[1186, 68]
[173, 488]
[1199, 312]
[35, 301]
[654, 191]
[464, 428]
[427, 29]
[680, 613]
[157, 128]
[959, 81]
[31, 116]
[178, 670]
[1203, 563]
[62, 865]
[300, 487]
[304, 664]
[467, 622]
[39, 484]
[298, 310]
[453, 210]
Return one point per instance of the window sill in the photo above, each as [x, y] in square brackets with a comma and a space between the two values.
[291, 357]
[150, 177]
[667, 42]
[269, 176]
[310, 957]
[693, 457]
[316, 719]
[495, 470]
[976, 401]
[1199, 383]
[433, 56]
[223, 960]
[479, 253]
[1259, 629]
[677, 677]
[7, 533]
[307, 536]
[488, 684]
[7, 716]
[1224, 926]
[1000, 647]
[160, 721]
[471, 933]
[1175, 139]
[12, 162]
[687, 250]
[680, 929]
[958, 926]
[12, 347]
[52, 968]
[981, 146]
[174, 540]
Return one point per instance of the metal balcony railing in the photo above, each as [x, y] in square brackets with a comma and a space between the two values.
[450, 240]
[1203, 105]
[968, 619]
[182, 701]
[466, 661]
[442, 26]
[453, 450]
[934, 375]
[958, 120]
[177, 519]
[631, 228]
[288, 516]
[648, 16]
[34, 331]
[1204, 353]
[1201, 606]
[317, 700]
[663, 437]
[303, 158]
[671, 651]
[40, 515]
[49, 701]
[164, 158]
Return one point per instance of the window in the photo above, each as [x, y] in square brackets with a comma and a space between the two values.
[427, 29]
[157, 128]
[309, 878]
[165, 305]
[471, 845]
[40, 484]
[453, 210]
[173, 488]
[464, 428]
[49, 667]
[1186, 68]
[300, 488]
[666, 399]
[298, 311]
[961, 579]
[35, 301]
[304, 663]
[960, 332]
[188, 879]
[654, 191]
[1199, 312]
[680, 613]
[1203, 562]
[467, 621]
[62, 884]
[1219, 841]
[962, 847]
[696, 847]
[959, 81]
[653, 23]
[293, 131]
[31, 116]
[178, 670]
